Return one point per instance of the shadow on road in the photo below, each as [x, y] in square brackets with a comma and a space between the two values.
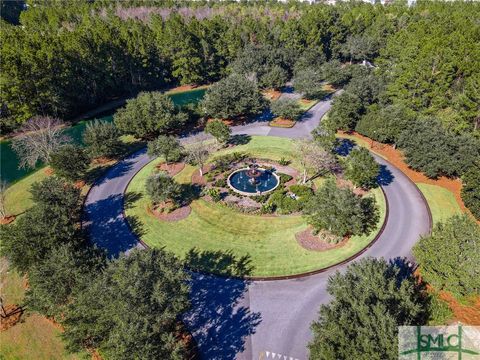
[220, 319]
[385, 177]
[109, 229]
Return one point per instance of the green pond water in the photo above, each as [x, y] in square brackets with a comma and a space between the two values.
[9, 170]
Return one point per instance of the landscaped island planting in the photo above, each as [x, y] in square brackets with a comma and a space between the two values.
[267, 231]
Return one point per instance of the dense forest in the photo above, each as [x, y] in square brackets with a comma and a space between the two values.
[422, 93]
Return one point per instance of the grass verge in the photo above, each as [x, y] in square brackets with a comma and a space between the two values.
[213, 232]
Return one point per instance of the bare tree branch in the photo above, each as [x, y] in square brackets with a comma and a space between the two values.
[40, 136]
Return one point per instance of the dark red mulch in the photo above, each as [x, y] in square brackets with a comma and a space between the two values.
[172, 169]
[175, 215]
[309, 241]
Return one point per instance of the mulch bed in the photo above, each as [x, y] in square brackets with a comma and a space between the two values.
[7, 220]
[311, 242]
[175, 215]
[272, 94]
[200, 180]
[347, 184]
[171, 169]
[13, 315]
[282, 123]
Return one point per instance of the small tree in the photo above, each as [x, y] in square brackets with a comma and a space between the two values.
[287, 109]
[340, 211]
[69, 162]
[161, 188]
[449, 257]
[274, 78]
[149, 114]
[361, 168]
[40, 137]
[219, 130]
[102, 139]
[346, 111]
[309, 82]
[130, 319]
[324, 136]
[312, 157]
[3, 193]
[369, 301]
[198, 151]
[232, 97]
[166, 146]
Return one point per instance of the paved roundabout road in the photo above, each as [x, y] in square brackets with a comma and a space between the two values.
[237, 319]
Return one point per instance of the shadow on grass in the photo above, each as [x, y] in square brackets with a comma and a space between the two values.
[241, 139]
[130, 198]
[219, 262]
[220, 318]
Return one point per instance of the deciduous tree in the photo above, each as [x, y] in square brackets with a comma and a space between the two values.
[287, 109]
[219, 130]
[166, 146]
[69, 162]
[101, 139]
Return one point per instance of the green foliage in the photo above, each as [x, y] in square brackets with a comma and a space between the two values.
[274, 78]
[440, 312]
[310, 58]
[127, 318]
[284, 162]
[284, 178]
[324, 135]
[283, 202]
[371, 295]
[166, 146]
[436, 152]
[268, 64]
[347, 109]
[51, 222]
[340, 211]
[149, 114]
[267, 208]
[309, 82]
[301, 190]
[361, 168]
[232, 97]
[214, 193]
[471, 190]
[161, 187]
[287, 109]
[334, 73]
[70, 162]
[219, 130]
[101, 139]
[449, 257]
[384, 124]
[66, 270]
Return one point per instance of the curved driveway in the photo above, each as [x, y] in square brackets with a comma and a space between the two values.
[236, 319]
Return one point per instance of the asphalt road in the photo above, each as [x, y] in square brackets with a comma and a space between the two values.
[236, 319]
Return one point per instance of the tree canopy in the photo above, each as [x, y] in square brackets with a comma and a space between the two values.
[369, 301]
[69, 162]
[340, 211]
[232, 97]
[101, 139]
[127, 318]
[361, 168]
[449, 257]
[166, 146]
[149, 114]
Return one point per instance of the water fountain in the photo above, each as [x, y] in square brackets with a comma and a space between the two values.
[253, 180]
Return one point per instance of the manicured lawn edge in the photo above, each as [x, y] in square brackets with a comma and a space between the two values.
[379, 230]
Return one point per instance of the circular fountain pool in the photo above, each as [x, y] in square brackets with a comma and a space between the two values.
[253, 181]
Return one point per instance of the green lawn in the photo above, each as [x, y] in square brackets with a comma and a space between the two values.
[442, 202]
[268, 242]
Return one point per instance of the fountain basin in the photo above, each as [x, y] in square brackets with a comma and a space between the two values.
[263, 182]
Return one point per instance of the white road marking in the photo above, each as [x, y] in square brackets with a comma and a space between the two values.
[265, 355]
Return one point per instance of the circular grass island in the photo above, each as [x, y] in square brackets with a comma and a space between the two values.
[223, 239]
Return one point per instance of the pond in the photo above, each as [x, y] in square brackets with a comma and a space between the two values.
[9, 170]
